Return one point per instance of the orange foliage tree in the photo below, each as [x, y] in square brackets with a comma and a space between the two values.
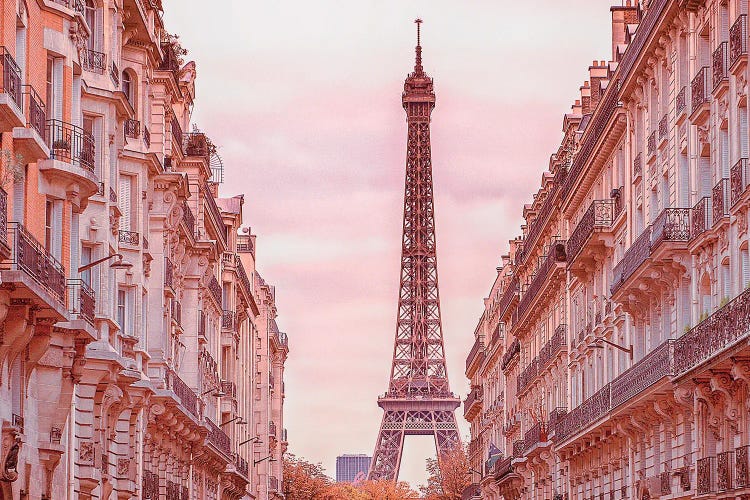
[304, 480]
[448, 475]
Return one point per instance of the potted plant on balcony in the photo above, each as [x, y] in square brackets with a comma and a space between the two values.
[61, 148]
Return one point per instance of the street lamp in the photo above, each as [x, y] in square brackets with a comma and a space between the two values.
[238, 417]
[256, 462]
[118, 264]
[253, 439]
[218, 394]
[597, 344]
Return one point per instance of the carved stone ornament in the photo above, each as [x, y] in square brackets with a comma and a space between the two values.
[86, 452]
[703, 134]
[11, 447]
[742, 222]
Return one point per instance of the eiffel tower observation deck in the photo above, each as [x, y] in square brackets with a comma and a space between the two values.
[419, 400]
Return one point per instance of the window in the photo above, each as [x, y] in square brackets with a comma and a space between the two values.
[744, 267]
[21, 20]
[125, 203]
[86, 258]
[127, 86]
[48, 215]
[121, 309]
[90, 15]
[125, 311]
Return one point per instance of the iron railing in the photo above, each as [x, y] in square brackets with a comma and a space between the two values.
[36, 114]
[150, 485]
[699, 89]
[720, 64]
[81, 300]
[638, 165]
[725, 470]
[30, 256]
[218, 438]
[738, 39]
[3, 216]
[11, 79]
[585, 414]
[112, 195]
[720, 196]
[146, 137]
[656, 365]
[241, 465]
[513, 352]
[132, 128]
[213, 210]
[477, 351]
[188, 218]
[664, 127]
[228, 319]
[244, 280]
[474, 396]
[71, 144]
[651, 144]
[214, 289]
[76, 5]
[599, 215]
[701, 217]
[556, 254]
[176, 133]
[176, 312]
[114, 74]
[742, 466]
[681, 101]
[168, 273]
[706, 471]
[93, 61]
[738, 179]
[229, 388]
[184, 393]
[128, 237]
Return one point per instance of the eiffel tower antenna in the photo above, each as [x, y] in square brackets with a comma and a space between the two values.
[419, 400]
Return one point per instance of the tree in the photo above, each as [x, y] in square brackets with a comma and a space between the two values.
[304, 480]
[386, 490]
[448, 475]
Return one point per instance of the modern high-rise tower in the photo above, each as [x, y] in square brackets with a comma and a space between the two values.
[419, 400]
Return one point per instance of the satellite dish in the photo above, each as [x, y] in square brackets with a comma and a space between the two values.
[217, 168]
[245, 230]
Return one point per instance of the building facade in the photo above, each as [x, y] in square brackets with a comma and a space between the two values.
[133, 319]
[611, 357]
[350, 468]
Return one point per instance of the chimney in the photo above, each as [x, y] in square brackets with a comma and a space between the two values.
[598, 73]
[622, 16]
[586, 98]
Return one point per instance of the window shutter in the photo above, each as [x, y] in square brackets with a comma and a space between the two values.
[97, 133]
[21, 52]
[57, 77]
[57, 220]
[75, 245]
[704, 176]
[75, 114]
[19, 202]
[724, 136]
[124, 203]
[684, 181]
[745, 256]
[99, 30]
[743, 132]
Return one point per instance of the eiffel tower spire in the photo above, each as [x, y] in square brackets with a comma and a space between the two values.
[419, 400]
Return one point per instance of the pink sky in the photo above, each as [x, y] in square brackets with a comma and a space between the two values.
[304, 100]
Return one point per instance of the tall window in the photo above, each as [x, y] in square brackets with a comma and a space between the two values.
[90, 14]
[49, 214]
[21, 20]
[125, 316]
[86, 258]
[127, 87]
[125, 203]
[744, 267]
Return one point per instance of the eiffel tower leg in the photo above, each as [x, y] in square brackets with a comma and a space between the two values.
[389, 447]
[446, 431]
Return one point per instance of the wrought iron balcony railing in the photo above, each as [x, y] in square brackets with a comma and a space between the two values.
[663, 127]
[176, 133]
[218, 438]
[512, 353]
[699, 89]
[638, 165]
[739, 179]
[215, 213]
[76, 5]
[168, 273]
[36, 114]
[228, 319]
[215, 289]
[93, 61]
[681, 101]
[71, 144]
[112, 195]
[720, 330]
[188, 218]
[476, 395]
[3, 217]
[585, 414]
[725, 470]
[81, 300]
[706, 468]
[476, 352]
[720, 64]
[114, 73]
[176, 312]
[242, 275]
[132, 128]
[510, 293]
[742, 466]
[146, 137]
[30, 256]
[656, 365]
[128, 237]
[187, 397]
[471, 491]
[555, 255]
[229, 388]
[599, 215]
[651, 144]
[702, 217]
[11, 79]
[738, 39]
[720, 196]
[241, 465]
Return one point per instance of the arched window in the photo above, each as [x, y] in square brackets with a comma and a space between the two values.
[127, 86]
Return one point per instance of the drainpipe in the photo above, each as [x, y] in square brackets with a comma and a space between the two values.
[71, 447]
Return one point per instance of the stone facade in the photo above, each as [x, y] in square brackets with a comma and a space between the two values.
[131, 310]
[611, 359]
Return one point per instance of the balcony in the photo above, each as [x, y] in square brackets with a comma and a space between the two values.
[241, 465]
[473, 402]
[218, 438]
[658, 243]
[72, 155]
[31, 141]
[214, 290]
[702, 217]
[31, 266]
[74, 5]
[272, 429]
[706, 472]
[132, 129]
[229, 388]
[197, 144]
[114, 74]
[653, 367]
[273, 484]
[511, 354]
[720, 197]
[220, 230]
[720, 67]
[168, 274]
[509, 295]
[176, 134]
[11, 103]
[130, 238]
[543, 279]
[475, 357]
[739, 180]
[188, 398]
[738, 42]
[591, 410]
[700, 95]
[681, 102]
[663, 128]
[723, 329]
[638, 166]
[188, 220]
[176, 312]
[228, 321]
[81, 300]
[535, 438]
[146, 137]
[93, 61]
[651, 144]
[591, 234]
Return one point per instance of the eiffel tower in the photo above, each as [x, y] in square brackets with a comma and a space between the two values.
[419, 400]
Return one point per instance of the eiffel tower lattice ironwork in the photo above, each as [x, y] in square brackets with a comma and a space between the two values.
[419, 400]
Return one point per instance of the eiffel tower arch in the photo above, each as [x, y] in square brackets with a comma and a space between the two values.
[419, 400]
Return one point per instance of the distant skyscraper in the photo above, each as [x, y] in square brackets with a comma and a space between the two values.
[348, 467]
